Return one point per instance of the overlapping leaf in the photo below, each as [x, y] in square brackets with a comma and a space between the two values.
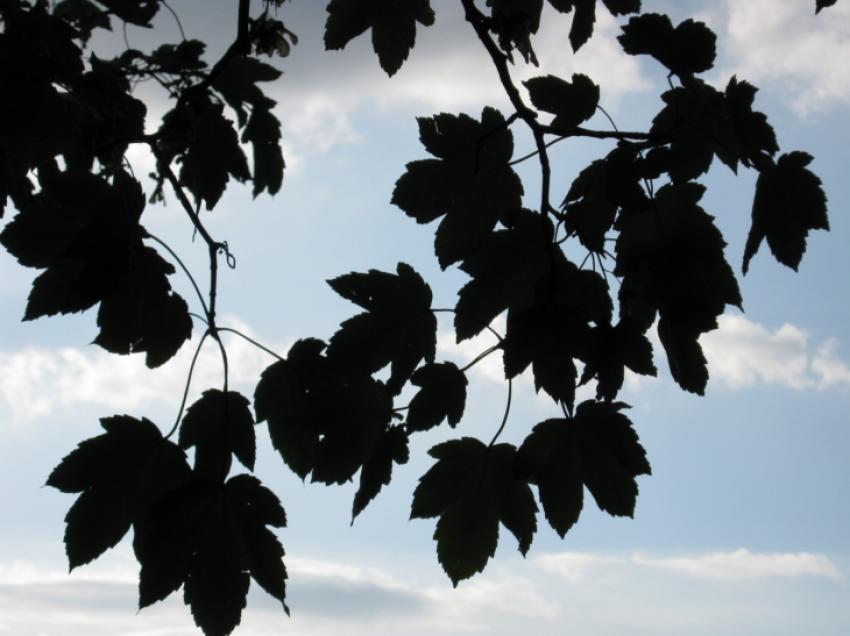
[393, 24]
[671, 256]
[119, 475]
[211, 538]
[688, 48]
[597, 448]
[442, 395]
[377, 471]
[789, 202]
[556, 328]
[217, 426]
[470, 181]
[142, 314]
[612, 349]
[572, 103]
[238, 84]
[82, 230]
[398, 327]
[472, 489]
[322, 419]
[504, 273]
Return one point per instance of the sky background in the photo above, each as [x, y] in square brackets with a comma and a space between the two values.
[744, 526]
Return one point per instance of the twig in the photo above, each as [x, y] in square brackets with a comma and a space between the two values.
[505, 416]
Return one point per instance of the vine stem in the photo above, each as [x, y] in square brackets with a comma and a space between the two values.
[183, 267]
[188, 384]
[251, 340]
[505, 416]
[480, 357]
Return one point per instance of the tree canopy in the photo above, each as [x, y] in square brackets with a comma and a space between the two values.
[655, 260]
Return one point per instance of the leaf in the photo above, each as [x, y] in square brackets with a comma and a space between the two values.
[442, 395]
[118, 474]
[237, 83]
[211, 538]
[597, 448]
[789, 202]
[213, 156]
[142, 314]
[470, 182]
[556, 329]
[688, 48]
[138, 12]
[217, 425]
[378, 469]
[671, 257]
[472, 489]
[504, 273]
[398, 327]
[322, 419]
[823, 4]
[610, 351]
[754, 134]
[572, 103]
[393, 24]
[82, 230]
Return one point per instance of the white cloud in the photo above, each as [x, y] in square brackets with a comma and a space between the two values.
[742, 353]
[743, 564]
[736, 565]
[784, 42]
[35, 382]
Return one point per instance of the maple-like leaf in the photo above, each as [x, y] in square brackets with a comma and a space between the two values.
[469, 184]
[217, 426]
[119, 475]
[612, 349]
[671, 257]
[322, 419]
[504, 273]
[789, 202]
[211, 538]
[442, 395]
[597, 448]
[393, 24]
[82, 229]
[142, 314]
[398, 327]
[572, 103]
[472, 488]
[688, 48]
[377, 471]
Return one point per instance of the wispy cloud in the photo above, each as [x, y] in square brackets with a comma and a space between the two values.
[742, 353]
[785, 43]
[737, 565]
[35, 382]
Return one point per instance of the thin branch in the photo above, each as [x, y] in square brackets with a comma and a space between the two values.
[505, 416]
[252, 341]
[184, 268]
[176, 18]
[188, 384]
[480, 357]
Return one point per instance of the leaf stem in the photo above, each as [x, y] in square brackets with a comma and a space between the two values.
[252, 341]
[505, 416]
[183, 267]
[188, 384]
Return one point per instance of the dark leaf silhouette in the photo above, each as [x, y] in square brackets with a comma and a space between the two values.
[442, 395]
[472, 489]
[217, 425]
[688, 48]
[119, 475]
[470, 182]
[597, 448]
[393, 24]
[321, 419]
[378, 469]
[572, 103]
[398, 327]
[823, 4]
[211, 538]
[789, 202]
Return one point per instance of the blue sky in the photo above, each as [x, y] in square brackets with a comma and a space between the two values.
[744, 526]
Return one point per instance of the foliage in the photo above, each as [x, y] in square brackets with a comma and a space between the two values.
[66, 122]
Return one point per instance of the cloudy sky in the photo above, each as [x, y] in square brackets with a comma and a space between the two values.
[744, 527]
